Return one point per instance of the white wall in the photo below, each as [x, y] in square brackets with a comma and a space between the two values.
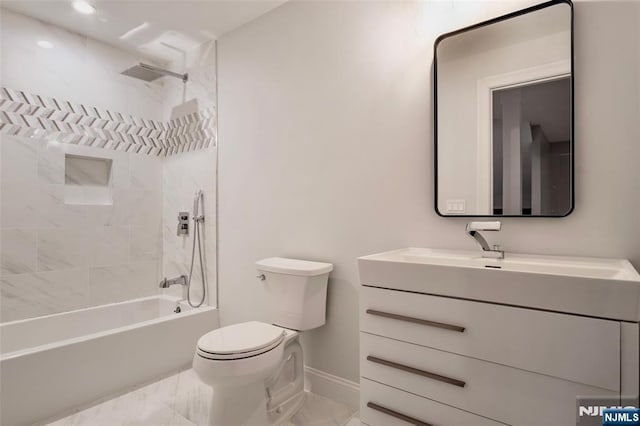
[326, 149]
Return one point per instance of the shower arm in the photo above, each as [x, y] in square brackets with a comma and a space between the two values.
[183, 77]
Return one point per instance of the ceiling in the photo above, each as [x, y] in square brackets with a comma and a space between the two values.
[147, 27]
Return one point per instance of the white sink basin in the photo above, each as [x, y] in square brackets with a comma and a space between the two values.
[534, 264]
[604, 288]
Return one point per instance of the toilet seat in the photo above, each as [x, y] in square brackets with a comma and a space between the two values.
[239, 341]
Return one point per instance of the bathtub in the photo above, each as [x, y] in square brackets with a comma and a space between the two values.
[50, 365]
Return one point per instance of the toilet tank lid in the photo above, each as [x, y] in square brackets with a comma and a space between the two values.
[281, 265]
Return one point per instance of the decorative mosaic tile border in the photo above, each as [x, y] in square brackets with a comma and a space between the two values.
[24, 114]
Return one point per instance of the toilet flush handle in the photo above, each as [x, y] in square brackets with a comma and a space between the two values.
[261, 277]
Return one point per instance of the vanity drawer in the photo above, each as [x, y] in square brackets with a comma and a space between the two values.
[386, 406]
[502, 393]
[579, 349]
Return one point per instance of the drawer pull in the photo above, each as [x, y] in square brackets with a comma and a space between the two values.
[397, 415]
[419, 372]
[416, 320]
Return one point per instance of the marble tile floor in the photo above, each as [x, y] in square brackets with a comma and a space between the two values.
[182, 400]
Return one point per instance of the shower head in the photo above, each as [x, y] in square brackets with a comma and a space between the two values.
[147, 72]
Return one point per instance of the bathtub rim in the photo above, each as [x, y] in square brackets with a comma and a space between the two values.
[85, 337]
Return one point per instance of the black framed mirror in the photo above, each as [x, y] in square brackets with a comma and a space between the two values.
[503, 115]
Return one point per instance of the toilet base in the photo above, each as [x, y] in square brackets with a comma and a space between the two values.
[285, 388]
[239, 405]
[286, 409]
[252, 391]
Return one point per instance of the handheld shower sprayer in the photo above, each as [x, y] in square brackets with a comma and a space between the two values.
[197, 201]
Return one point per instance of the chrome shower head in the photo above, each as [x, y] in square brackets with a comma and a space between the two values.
[147, 72]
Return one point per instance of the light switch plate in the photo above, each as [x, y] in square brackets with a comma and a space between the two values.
[456, 206]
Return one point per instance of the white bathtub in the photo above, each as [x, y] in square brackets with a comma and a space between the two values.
[51, 364]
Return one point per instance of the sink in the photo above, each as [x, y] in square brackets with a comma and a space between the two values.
[526, 263]
[604, 288]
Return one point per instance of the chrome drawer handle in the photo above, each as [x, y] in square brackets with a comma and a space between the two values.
[416, 320]
[397, 415]
[417, 371]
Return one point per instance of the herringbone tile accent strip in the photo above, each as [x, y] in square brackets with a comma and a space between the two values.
[29, 115]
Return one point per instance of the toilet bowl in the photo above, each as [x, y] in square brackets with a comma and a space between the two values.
[235, 361]
[256, 369]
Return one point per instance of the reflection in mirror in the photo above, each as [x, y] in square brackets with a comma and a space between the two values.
[533, 175]
[504, 116]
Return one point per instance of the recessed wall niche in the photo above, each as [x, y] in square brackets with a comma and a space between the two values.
[87, 180]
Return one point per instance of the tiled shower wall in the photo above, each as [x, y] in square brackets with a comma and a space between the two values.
[56, 256]
[183, 175]
[77, 68]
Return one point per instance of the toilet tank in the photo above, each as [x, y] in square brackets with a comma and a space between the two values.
[296, 291]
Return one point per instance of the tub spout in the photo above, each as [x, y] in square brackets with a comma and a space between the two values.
[168, 282]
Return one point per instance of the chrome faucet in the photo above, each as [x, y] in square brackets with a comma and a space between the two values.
[473, 229]
[166, 283]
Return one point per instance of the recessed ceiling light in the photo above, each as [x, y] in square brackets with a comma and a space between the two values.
[45, 44]
[83, 7]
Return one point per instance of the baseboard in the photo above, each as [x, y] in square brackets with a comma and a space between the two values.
[333, 387]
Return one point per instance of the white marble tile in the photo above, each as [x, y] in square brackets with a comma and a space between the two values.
[182, 399]
[194, 404]
[146, 208]
[196, 282]
[62, 248]
[18, 204]
[174, 202]
[51, 163]
[18, 252]
[190, 171]
[185, 394]
[108, 245]
[201, 171]
[146, 243]
[109, 284]
[172, 173]
[320, 411]
[42, 293]
[117, 214]
[167, 389]
[210, 248]
[19, 159]
[176, 254]
[129, 409]
[80, 195]
[53, 211]
[145, 172]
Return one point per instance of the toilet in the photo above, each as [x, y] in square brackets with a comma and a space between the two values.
[256, 368]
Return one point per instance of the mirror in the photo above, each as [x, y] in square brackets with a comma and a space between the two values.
[503, 94]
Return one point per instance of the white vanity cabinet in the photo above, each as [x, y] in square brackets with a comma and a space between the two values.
[430, 358]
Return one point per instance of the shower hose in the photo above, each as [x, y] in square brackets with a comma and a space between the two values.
[198, 220]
